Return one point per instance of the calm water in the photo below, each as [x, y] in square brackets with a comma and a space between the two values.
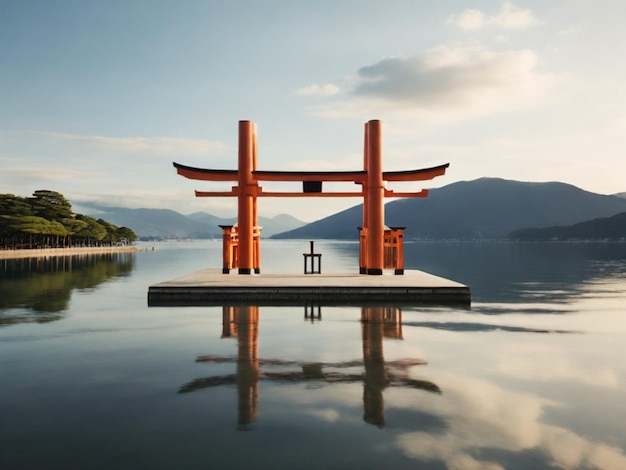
[532, 376]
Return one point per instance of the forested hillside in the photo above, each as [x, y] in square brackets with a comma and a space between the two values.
[605, 228]
[46, 220]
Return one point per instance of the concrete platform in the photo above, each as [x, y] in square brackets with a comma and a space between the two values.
[211, 287]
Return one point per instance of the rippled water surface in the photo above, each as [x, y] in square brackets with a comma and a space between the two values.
[532, 376]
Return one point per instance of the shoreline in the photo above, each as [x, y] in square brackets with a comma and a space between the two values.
[51, 252]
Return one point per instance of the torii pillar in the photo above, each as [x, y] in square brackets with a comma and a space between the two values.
[246, 195]
[374, 193]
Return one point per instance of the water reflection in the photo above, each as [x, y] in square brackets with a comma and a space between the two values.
[482, 327]
[553, 274]
[376, 374]
[41, 288]
[494, 427]
[315, 386]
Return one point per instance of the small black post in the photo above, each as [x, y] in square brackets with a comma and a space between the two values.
[311, 254]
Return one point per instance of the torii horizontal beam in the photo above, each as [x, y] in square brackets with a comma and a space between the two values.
[260, 192]
[205, 174]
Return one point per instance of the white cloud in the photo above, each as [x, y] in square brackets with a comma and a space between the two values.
[317, 90]
[512, 17]
[468, 20]
[521, 362]
[145, 145]
[7, 159]
[339, 163]
[570, 30]
[470, 404]
[445, 83]
[133, 198]
[509, 17]
[325, 414]
[44, 173]
[182, 201]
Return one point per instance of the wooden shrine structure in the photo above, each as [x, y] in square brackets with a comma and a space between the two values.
[380, 247]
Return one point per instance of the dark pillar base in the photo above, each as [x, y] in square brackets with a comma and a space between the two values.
[245, 270]
[225, 271]
[257, 270]
[362, 270]
[374, 272]
[399, 272]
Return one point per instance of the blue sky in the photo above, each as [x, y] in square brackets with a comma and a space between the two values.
[97, 98]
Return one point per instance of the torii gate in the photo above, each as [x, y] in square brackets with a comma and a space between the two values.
[372, 180]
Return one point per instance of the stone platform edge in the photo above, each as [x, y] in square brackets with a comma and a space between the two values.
[202, 289]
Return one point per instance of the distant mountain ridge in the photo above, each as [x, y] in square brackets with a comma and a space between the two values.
[166, 223]
[605, 228]
[485, 208]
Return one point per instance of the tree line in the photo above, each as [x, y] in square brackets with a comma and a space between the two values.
[46, 220]
[605, 228]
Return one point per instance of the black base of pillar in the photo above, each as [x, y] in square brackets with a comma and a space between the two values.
[374, 272]
[257, 270]
[362, 270]
[399, 272]
[245, 270]
[225, 271]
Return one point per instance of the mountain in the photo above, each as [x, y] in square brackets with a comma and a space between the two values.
[210, 219]
[620, 195]
[278, 224]
[271, 226]
[166, 223]
[606, 228]
[480, 209]
[162, 223]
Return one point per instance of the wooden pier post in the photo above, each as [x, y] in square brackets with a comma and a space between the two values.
[229, 245]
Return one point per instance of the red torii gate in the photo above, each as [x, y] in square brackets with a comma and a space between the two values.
[372, 180]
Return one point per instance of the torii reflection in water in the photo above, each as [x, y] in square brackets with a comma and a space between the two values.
[242, 322]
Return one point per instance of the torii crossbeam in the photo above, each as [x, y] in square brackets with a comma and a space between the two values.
[371, 178]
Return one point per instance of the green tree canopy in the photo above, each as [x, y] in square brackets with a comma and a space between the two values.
[51, 205]
[93, 229]
[125, 233]
[37, 226]
[14, 205]
[31, 221]
[73, 225]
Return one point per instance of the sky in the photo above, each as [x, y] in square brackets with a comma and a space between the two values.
[98, 98]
